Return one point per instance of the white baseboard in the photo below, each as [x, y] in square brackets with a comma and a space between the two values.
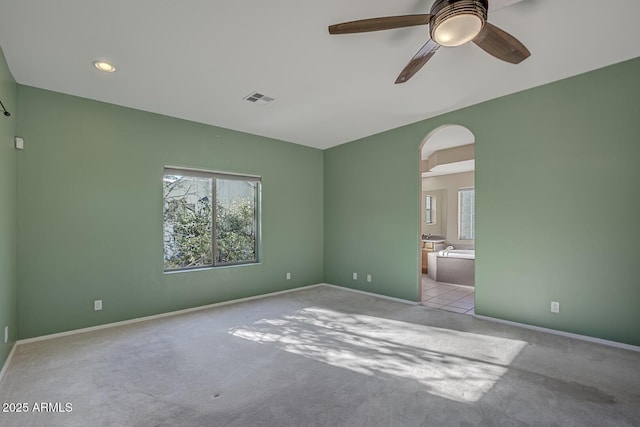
[159, 316]
[240, 300]
[344, 288]
[203, 307]
[561, 333]
[8, 361]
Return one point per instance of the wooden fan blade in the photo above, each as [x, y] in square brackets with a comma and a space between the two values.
[418, 61]
[377, 24]
[501, 44]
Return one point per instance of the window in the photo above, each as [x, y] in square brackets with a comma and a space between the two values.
[430, 210]
[210, 219]
[466, 214]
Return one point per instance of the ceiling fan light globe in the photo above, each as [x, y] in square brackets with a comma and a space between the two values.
[457, 30]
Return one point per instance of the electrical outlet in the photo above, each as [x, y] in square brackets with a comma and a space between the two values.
[6, 334]
[288, 276]
[555, 307]
[355, 276]
[97, 305]
[369, 278]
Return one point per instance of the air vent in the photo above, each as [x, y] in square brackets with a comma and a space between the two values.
[258, 98]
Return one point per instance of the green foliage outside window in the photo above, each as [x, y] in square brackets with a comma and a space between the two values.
[235, 231]
[188, 225]
[191, 237]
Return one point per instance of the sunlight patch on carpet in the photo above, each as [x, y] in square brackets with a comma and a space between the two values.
[456, 365]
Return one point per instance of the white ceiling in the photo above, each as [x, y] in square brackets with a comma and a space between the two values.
[197, 59]
[448, 137]
[451, 168]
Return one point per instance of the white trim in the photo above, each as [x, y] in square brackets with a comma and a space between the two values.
[561, 333]
[371, 294]
[210, 173]
[8, 361]
[159, 316]
[203, 307]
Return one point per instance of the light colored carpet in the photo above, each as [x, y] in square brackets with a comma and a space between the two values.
[323, 357]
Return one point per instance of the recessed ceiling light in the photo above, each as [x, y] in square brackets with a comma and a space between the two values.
[104, 66]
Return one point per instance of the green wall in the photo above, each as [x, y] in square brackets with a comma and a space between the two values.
[8, 275]
[557, 205]
[90, 212]
[556, 187]
[371, 215]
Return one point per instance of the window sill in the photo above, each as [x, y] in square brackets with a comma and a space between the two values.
[190, 270]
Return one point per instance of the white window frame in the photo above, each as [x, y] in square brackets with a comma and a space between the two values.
[213, 175]
[430, 209]
[464, 220]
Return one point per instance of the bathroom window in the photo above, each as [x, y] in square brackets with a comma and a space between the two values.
[466, 214]
[430, 210]
[211, 219]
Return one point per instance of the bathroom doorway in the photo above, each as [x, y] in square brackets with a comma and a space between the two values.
[447, 219]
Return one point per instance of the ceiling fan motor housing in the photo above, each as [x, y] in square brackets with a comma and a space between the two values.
[473, 11]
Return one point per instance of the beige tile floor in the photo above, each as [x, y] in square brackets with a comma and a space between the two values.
[446, 296]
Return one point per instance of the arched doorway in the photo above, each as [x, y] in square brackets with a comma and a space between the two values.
[447, 219]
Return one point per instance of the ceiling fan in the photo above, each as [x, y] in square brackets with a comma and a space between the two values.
[451, 23]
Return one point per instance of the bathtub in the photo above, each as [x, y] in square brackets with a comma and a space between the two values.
[458, 253]
[453, 266]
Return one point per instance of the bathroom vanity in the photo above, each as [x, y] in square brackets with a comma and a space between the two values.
[429, 246]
